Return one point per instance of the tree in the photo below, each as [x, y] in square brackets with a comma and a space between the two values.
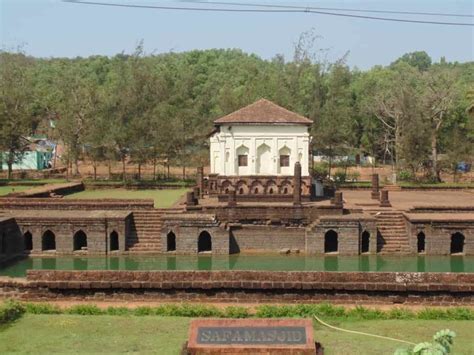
[419, 60]
[333, 127]
[15, 106]
[76, 105]
[438, 103]
[392, 96]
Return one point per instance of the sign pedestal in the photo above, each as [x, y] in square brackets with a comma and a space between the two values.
[251, 336]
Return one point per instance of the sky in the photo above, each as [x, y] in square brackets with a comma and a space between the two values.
[52, 28]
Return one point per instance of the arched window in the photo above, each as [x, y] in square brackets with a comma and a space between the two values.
[48, 241]
[204, 242]
[80, 240]
[28, 241]
[170, 241]
[114, 241]
[457, 243]
[365, 243]
[330, 242]
[420, 242]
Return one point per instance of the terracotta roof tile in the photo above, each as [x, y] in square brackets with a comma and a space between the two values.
[263, 112]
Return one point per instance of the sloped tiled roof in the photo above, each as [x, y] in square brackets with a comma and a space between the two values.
[263, 112]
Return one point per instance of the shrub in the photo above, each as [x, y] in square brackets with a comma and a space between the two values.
[431, 314]
[10, 311]
[328, 310]
[401, 313]
[340, 176]
[118, 311]
[186, 310]
[42, 308]
[460, 313]
[366, 313]
[441, 345]
[85, 310]
[268, 311]
[143, 311]
[405, 175]
[236, 312]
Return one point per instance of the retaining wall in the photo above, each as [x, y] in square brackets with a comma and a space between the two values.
[246, 286]
[82, 204]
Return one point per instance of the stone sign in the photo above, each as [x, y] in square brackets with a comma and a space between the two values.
[269, 336]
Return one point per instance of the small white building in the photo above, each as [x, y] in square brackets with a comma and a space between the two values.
[254, 150]
[260, 139]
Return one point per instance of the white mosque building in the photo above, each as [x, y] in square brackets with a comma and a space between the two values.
[254, 149]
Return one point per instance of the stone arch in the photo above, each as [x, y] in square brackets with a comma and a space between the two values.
[242, 188]
[226, 186]
[48, 241]
[420, 242]
[256, 187]
[170, 241]
[365, 242]
[27, 241]
[79, 240]
[286, 188]
[264, 159]
[204, 242]
[271, 187]
[457, 243]
[113, 241]
[331, 244]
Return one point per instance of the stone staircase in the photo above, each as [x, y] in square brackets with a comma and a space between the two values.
[145, 230]
[392, 234]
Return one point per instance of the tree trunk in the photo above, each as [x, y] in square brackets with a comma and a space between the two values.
[95, 171]
[10, 170]
[123, 168]
[75, 167]
[168, 170]
[330, 163]
[109, 165]
[184, 172]
[154, 169]
[434, 156]
[139, 171]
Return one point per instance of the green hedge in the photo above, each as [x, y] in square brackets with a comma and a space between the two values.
[324, 310]
[11, 311]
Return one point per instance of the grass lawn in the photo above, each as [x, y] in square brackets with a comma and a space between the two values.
[165, 335]
[5, 190]
[163, 198]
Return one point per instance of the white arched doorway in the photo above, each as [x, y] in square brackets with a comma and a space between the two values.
[264, 160]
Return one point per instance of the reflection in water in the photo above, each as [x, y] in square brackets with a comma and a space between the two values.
[331, 263]
[48, 264]
[171, 263]
[414, 263]
[204, 263]
[80, 264]
[420, 264]
[456, 263]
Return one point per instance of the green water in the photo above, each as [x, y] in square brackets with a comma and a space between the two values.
[246, 262]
